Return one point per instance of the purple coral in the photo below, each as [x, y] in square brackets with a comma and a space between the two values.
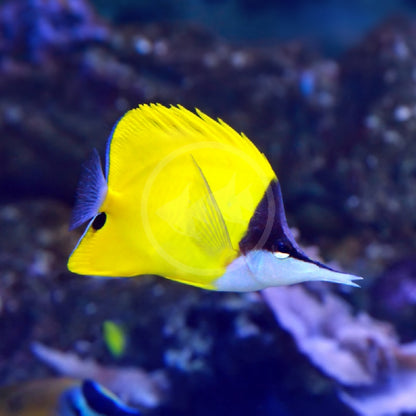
[376, 373]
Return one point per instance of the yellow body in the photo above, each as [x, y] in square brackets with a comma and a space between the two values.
[182, 189]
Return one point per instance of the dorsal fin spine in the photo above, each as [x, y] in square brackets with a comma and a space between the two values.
[91, 191]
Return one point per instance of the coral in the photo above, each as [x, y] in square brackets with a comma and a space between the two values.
[133, 385]
[344, 347]
[376, 374]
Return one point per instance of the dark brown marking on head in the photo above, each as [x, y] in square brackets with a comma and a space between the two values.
[268, 228]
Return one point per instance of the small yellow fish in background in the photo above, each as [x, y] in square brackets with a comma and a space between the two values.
[61, 397]
[115, 338]
[188, 198]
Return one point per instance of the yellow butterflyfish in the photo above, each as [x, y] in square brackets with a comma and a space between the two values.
[186, 197]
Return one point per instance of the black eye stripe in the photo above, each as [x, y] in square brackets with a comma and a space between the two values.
[99, 221]
[282, 247]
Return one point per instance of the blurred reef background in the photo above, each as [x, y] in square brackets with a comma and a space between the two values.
[327, 90]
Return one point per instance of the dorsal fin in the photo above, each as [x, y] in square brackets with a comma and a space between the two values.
[91, 191]
[103, 402]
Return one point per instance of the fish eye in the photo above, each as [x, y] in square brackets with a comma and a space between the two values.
[99, 221]
[283, 248]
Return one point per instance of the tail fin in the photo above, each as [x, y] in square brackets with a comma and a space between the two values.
[91, 191]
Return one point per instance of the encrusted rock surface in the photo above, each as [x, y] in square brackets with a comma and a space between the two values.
[339, 134]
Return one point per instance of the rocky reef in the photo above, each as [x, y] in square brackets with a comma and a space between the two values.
[339, 134]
